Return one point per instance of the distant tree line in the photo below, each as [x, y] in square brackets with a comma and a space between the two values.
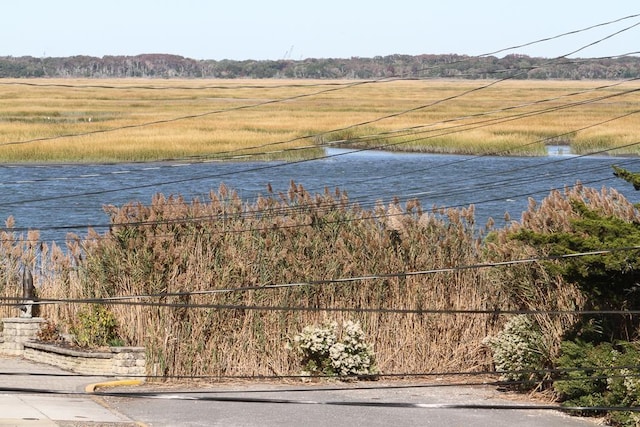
[406, 66]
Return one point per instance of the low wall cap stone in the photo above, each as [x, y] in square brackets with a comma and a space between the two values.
[23, 320]
[126, 349]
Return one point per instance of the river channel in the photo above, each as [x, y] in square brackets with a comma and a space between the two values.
[57, 199]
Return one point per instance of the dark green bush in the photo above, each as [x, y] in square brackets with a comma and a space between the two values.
[608, 375]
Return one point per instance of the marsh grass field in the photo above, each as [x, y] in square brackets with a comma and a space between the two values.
[71, 120]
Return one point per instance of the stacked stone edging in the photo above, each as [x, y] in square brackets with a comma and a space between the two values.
[123, 362]
[18, 339]
[128, 361]
[87, 363]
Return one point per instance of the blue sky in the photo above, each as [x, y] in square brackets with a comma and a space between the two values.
[275, 29]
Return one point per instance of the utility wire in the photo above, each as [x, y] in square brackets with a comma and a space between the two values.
[492, 83]
[492, 53]
[278, 165]
[568, 33]
[348, 280]
[422, 107]
[377, 404]
[289, 210]
[176, 119]
[294, 209]
[554, 373]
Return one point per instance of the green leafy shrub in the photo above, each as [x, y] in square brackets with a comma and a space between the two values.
[610, 376]
[519, 351]
[95, 327]
[324, 353]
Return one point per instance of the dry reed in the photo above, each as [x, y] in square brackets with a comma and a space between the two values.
[288, 239]
[166, 251]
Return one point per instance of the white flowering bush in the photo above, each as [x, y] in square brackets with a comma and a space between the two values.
[323, 352]
[518, 350]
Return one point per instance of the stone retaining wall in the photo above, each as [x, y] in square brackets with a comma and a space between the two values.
[123, 362]
[18, 339]
[82, 363]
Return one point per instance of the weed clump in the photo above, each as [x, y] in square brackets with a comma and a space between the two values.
[49, 332]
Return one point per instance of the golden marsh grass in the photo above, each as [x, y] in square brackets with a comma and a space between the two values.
[145, 120]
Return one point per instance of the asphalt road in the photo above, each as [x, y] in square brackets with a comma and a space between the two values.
[336, 405]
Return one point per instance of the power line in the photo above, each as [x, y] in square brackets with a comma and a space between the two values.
[498, 183]
[168, 87]
[292, 210]
[208, 395]
[555, 371]
[418, 108]
[491, 53]
[387, 145]
[124, 299]
[175, 119]
[216, 397]
[400, 113]
[573, 32]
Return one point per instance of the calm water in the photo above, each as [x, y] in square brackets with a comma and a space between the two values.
[58, 199]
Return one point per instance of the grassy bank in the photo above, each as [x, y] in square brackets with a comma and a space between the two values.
[144, 120]
[201, 275]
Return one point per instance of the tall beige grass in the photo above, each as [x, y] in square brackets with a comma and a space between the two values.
[172, 250]
[290, 238]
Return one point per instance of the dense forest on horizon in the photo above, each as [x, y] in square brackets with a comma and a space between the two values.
[405, 66]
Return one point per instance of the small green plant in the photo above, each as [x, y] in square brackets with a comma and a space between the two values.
[116, 342]
[95, 327]
[518, 351]
[324, 353]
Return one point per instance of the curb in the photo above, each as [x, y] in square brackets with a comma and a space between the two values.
[91, 388]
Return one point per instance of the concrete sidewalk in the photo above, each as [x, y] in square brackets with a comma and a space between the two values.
[33, 394]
